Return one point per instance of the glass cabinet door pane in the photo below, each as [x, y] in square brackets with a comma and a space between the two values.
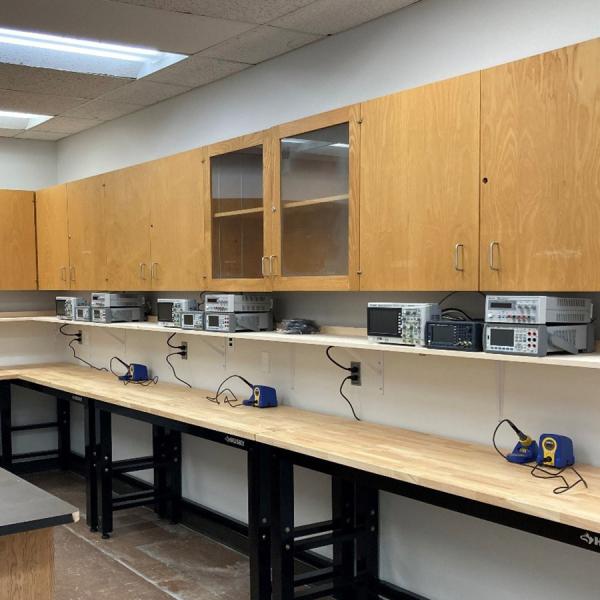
[237, 213]
[314, 202]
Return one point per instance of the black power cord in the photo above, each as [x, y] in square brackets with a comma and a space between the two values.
[352, 377]
[221, 390]
[77, 338]
[181, 351]
[539, 472]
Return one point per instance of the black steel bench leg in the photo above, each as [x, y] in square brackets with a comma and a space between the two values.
[343, 496]
[282, 533]
[63, 418]
[259, 521]
[174, 475]
[6, 425]
[91, 463]
[159, 452]
[367, 546]
[106, 506]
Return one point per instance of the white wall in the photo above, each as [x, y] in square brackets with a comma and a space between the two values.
[437, 553]
[27, 164]
[427, 41]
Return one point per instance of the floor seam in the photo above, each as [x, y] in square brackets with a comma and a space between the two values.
[122, 563]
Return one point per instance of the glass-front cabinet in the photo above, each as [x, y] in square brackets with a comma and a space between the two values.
[315, 204]
[238, 231]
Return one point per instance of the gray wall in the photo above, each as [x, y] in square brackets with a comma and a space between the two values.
[27, 164]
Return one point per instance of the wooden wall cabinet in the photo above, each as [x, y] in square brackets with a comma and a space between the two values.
[237, 204]
[17, 240]
[315, 208]
[419, 211]
[52, 238]
[127, 222]
[540, 168]
[154, 225]
[87, 239]
[177, 222]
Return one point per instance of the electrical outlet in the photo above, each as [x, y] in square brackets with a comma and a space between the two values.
[184, 350]
[355, 374]
[79, 337]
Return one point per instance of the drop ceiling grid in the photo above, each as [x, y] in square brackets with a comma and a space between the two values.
[231, 35]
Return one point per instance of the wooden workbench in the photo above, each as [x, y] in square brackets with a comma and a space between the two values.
[469, 470]
[362, 459]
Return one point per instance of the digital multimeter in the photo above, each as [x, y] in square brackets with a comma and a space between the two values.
[555, 451]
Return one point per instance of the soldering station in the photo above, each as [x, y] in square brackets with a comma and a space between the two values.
[550, 451]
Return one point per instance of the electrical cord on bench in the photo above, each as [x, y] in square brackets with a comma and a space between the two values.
[353, 373]
[221, 390]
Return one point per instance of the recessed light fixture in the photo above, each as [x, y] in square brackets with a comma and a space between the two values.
[43, 50]
[19, 120]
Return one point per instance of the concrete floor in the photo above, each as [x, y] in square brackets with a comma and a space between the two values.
[146, 559]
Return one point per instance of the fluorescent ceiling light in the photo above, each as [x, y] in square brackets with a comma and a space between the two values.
[18, 120]
[81, 56]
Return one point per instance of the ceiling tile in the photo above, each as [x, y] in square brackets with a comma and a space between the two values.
[103, 110]
[327, 17]
[121, 23]
[59, 83]
[197, 70]
[39, 104]
[50, 136]
[239, 10]
[9, 132]
[145, 93]
[66, 125]
[259, 44]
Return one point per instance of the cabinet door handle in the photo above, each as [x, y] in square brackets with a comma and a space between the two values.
[63, 274]
[459, 257]
[492, 254]
[154, 270]
[143, 271]
[72, 273]
[271, 263]
[262, 265]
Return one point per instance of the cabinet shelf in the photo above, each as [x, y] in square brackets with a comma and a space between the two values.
[314, 201]
[238, 213]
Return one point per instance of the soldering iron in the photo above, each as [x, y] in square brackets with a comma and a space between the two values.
[526, 449]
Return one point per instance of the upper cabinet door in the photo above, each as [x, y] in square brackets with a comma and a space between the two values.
[419, 212]
[127, 222]
[17, 240]
[87, 247]
[237, 204]
[52, 238]
[540, 190]
[315, 202]
[177, 222]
